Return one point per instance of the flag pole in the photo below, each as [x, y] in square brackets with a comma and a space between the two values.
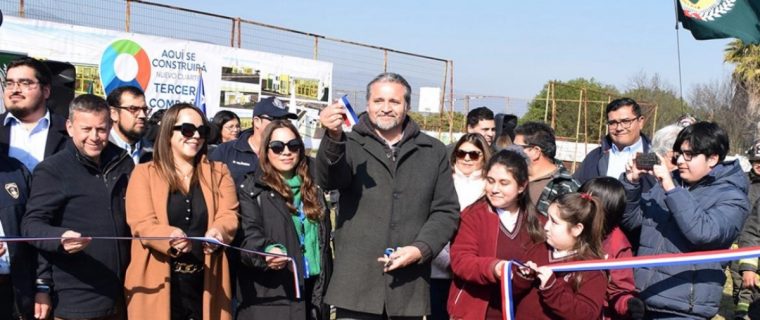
[678, 53]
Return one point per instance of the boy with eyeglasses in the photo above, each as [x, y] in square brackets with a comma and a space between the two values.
[700, 206]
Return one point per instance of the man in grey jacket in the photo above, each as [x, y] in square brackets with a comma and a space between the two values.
[396, 193]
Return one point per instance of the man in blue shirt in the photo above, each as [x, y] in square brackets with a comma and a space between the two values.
[623, 140]
[29, 132]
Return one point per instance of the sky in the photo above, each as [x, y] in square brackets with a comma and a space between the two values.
[508, 48]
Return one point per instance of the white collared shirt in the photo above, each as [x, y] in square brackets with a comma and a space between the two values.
[507, 218]
[134, 151]
[618, 158]
[28, 146]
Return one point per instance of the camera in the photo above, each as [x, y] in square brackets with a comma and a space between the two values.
[646, 161]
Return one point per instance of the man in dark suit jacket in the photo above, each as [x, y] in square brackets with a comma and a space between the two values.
[28, 131]
[24, 285]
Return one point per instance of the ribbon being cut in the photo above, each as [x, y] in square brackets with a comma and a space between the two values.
[208, 240]
[624, 263]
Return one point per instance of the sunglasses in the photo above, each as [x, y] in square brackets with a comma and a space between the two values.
[188, 130]
[278, 147]
[474, 155]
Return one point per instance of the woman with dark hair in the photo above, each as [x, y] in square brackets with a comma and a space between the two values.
[180, 194]
[501, 226]
[284, 212]
[226, 126]
[468, 157]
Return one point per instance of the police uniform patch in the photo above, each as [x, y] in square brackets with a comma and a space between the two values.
[12, 189]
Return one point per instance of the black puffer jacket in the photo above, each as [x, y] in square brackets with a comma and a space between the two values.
[265, 221]
[70, 192]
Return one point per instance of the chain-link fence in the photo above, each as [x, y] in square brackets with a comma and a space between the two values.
[354, 63]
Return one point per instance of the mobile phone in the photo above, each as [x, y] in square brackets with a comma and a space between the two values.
[646, 161]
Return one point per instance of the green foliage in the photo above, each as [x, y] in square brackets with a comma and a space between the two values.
[435, 121]
[650, 92]
[653, 92]
[746, 58]
[566, 96]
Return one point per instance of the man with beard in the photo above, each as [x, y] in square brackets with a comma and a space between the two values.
[129, 114]
[29, 131]
[398, 207]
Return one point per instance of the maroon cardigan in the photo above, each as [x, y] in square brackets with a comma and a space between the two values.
[560, 299]
[621, 287]
[473, 258]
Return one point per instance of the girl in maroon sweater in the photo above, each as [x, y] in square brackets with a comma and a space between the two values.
[574, 231]
[501, 226]
[621, 301]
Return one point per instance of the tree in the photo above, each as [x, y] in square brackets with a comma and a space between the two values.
[653, 92]
[567, 97]
[720, 101]
[433, 121]
[746, 75]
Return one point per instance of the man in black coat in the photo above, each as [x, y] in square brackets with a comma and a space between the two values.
[77, 193]
[396, 192]
[28, 131]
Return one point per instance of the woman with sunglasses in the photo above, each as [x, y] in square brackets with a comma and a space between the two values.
[468, 157]
[284, 213]
[180, 194]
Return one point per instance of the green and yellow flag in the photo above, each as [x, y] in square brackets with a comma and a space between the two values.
[713, 19]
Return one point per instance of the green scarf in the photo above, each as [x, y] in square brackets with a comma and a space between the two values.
[307, 229]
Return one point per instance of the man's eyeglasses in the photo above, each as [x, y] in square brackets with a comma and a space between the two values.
[24, 84]
[474, 155]
[188, 130]
[135, 109]
[626, 123]
[278, 147]
[687, 155]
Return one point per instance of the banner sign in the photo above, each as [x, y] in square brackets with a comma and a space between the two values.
[168, 70]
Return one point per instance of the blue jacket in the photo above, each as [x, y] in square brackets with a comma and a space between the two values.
[238, 156]
[705, 216]
[71, 192]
